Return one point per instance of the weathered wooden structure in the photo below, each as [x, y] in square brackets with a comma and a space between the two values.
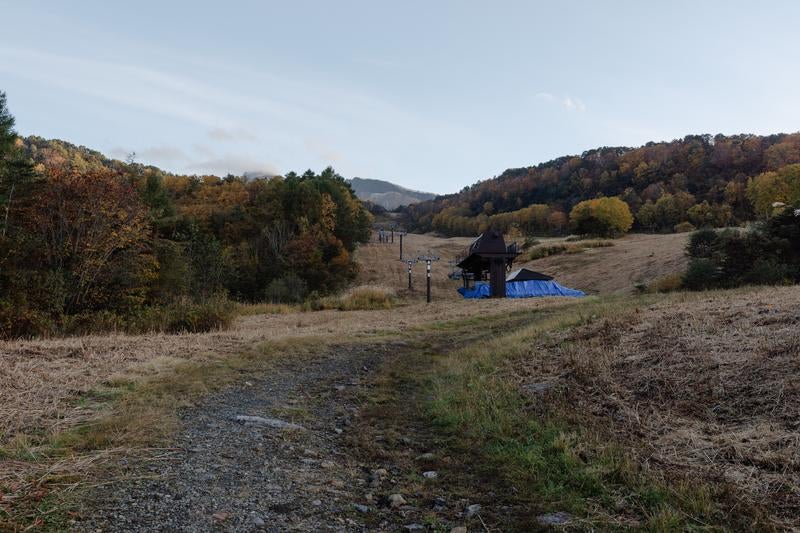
[488, 257]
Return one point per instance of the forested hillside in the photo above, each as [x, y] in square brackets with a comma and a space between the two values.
[700, 180]
[86, 240]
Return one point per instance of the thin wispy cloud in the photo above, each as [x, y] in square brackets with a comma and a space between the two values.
[294, 109]
[567, 102]
[232, 134]
[235, 164]
[159, 155]
[325, 153]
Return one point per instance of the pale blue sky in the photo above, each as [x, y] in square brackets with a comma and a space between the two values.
[430, 95]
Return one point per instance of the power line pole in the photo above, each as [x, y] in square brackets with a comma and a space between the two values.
[410, 264]
[428, 265]
[401, 233]
[429, 259]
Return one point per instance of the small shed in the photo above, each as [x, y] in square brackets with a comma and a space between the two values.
[489, 256]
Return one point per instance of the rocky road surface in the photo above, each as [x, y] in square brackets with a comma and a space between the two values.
[327, 470]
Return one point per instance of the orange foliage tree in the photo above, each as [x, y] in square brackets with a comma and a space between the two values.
[84, 222]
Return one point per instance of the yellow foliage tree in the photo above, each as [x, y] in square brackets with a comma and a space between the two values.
[782, 185]
[606, 217]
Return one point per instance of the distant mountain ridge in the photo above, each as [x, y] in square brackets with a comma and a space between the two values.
[386, 194]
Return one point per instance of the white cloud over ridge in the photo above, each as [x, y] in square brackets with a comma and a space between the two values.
[250, 110]
[235, 164]
[567, 102]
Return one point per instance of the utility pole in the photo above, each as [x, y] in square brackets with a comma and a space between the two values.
[428, 264]
[401, 233]
[429, 259]
[410, 264]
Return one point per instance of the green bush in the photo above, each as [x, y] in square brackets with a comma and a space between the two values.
[180, 316]
[18, 321]
[701, 275]
[684, 227]
[216, 312]
[701, 243]
[91, 322]
[769, 272]
[288, 289]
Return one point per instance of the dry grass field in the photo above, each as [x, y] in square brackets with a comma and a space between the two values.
[634, 259]
[706, 387]
[655, 412]
[43, 380]
[698, 385]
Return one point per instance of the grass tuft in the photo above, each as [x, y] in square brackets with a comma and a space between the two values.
[566, 248]
[365, 298]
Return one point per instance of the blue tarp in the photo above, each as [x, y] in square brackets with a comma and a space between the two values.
[521, 289]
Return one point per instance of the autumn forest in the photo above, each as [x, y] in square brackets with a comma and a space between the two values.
[89, 243]
[697, 181]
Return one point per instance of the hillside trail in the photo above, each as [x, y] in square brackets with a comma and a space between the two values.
[362, 440]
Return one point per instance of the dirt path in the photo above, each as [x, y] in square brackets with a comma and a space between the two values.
[362, 442]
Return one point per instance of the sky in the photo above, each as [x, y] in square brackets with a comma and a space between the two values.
[432, 95]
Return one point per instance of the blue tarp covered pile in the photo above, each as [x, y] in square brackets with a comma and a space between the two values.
[522, 289]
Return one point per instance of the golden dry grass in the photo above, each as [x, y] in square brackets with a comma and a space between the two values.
[636, 259]
[361, 298]
[701, 387]
[44, 380]
[47, 386]
[381, 266]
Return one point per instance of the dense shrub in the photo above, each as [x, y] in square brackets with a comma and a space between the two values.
[702, 274]
[179, 316]
[286, 290]
[186, 316]
[770, 272]
[564, 248]
[700, 243]
[767, 253]
[684, 227]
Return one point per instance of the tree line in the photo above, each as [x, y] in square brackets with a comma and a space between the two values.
[88, 241]
[697, 181]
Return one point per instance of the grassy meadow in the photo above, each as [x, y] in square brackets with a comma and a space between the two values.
[624, 409]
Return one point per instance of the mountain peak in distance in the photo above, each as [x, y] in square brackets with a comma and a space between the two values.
[386, 194]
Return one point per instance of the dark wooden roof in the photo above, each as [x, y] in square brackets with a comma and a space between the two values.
[488, 245]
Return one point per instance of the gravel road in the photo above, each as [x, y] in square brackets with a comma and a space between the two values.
[232, 475]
